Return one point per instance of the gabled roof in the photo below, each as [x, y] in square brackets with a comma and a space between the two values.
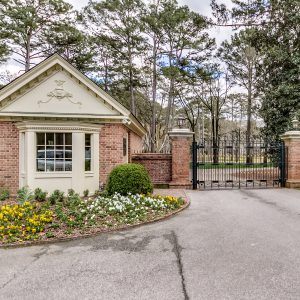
[20, 85]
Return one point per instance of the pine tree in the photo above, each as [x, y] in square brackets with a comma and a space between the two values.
[241, 59]
[276, 37]
[25, 23]
[118, 24]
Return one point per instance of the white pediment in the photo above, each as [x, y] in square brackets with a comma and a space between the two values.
[62, 95]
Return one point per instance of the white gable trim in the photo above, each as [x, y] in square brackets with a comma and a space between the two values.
[13, 90]
[44, 66]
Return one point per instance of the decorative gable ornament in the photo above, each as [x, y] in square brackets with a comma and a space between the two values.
[59, 93]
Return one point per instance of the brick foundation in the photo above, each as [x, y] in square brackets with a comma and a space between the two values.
[159, 166]
[9, 156]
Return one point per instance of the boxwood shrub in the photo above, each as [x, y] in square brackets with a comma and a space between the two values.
[129, 178]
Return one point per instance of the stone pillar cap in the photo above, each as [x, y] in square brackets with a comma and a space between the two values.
[293, 134]
[181, 132]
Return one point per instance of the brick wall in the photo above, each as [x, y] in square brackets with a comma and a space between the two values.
[135, 143]
[158, 165]
[111, 147]
[9, 156]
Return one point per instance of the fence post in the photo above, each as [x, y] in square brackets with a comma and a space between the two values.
[282, 168]
[292, 157]
[181, 157]
[194, 156]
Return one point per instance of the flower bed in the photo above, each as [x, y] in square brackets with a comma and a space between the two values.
[73, 216]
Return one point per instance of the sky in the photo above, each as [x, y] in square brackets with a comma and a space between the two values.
[200, 6]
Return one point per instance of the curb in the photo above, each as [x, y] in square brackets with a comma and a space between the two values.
[84, 236]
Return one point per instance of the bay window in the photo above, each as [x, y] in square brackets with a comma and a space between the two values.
[53, 152]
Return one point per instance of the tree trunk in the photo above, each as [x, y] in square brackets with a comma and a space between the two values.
[154, 86]
[105, 76]
[131, 86]
[27, 54]
[249, 158]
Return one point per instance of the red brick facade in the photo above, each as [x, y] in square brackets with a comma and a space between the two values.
[111, 147]
[158, 165]
[293, 162]
[110, 151]
[181, 158]
[135, 143]
[9, 157]
[172, 169]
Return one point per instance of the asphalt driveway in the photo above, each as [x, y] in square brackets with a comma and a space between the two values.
[241, 244]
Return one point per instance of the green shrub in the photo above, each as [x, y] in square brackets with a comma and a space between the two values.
[4, 194]
[86, 193]
[129, 178]
[72, 199]
[71, 192]
[56, 196]
[24, 194]
[39, 195]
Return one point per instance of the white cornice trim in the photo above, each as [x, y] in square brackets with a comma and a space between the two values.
[58, 126]
[62, 115]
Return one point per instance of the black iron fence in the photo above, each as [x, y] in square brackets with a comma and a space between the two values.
[238, 164]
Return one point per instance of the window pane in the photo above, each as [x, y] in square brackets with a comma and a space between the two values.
[40, 152]
[59, 165]
[59, 139]
[87, 140]
[88, 152]
[50, 152]
[40, 138]
[68, 165]
[68, 139]
[59, 152]
[55, 156]
[68, 152]
[40, 165]
[50, 165]
[87, 165]
[49, 138]
[124, 146]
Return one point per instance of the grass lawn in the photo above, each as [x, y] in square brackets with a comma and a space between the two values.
[228, 165]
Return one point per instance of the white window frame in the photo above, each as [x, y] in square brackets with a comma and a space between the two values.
[64, 145]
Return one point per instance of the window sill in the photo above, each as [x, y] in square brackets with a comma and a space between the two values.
[53, 175]
[89, 174]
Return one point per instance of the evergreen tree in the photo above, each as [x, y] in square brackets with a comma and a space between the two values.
[118, 24]
[276, 37]
[241, 59]
[71, 43]
[186, 46]
[25, 24]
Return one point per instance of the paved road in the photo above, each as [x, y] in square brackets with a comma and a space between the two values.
[228, 245]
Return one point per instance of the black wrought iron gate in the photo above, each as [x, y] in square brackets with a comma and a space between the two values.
[238, 164]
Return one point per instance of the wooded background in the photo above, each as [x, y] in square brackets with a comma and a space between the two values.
[158, 59]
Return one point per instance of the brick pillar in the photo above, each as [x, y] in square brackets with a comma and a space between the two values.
[292, 142]
[181, 158]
